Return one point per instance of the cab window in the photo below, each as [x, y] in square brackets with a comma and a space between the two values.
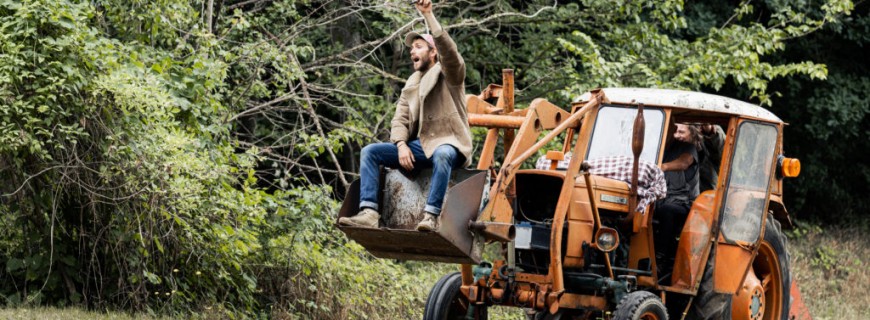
[746, 192]
[612, 133]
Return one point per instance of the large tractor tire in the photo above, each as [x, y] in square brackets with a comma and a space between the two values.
[446, 302]
[433, 294]
[710, 305]
[770, 268]
[640, 305]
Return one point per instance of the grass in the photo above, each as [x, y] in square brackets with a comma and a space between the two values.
[64, 314]
[831, 267]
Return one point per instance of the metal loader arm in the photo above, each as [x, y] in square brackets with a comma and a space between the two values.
[540, 115]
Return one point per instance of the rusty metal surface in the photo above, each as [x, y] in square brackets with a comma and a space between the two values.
[732, 264]
[495, 231]
[695, 241]
[487, 154]
[687, 100]
[462, 204]
[495, 121]
[476, 105]
[350, 205]
[402, 207]
[606, 188]
[565, 200]
[408, 245]
[532, 278]
[798, 310]
[491, 91]
[506, 101]
[549, 115]
[779, 212]
[577, 301]
[676, 290]
[741, 303]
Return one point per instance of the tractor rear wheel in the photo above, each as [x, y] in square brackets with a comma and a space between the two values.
[446, 302]
[640, 305]
[768, 280]
[708, 304]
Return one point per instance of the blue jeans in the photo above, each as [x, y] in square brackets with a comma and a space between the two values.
[443, 160]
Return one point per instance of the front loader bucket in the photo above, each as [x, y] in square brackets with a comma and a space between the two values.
[402, 202]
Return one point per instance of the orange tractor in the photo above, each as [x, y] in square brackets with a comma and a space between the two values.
[575, 245]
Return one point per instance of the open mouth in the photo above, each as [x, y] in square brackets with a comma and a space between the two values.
[415, 59]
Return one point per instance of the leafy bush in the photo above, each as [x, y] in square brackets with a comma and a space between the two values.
[183, 157]
[127, 189]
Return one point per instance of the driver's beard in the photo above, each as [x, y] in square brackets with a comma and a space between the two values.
[425, 63]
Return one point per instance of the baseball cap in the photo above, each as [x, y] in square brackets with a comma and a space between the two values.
[413, 35]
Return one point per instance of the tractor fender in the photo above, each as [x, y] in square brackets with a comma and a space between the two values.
[777, 208]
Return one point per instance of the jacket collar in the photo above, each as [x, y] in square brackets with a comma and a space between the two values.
[427, 80]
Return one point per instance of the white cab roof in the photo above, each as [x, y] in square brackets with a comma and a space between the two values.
[686, 100]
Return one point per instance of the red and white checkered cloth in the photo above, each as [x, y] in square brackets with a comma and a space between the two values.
[651, 184]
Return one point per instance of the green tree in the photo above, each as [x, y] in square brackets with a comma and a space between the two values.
[186, 156]
[827, 118]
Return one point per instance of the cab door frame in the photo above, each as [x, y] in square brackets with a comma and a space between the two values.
[732, 252]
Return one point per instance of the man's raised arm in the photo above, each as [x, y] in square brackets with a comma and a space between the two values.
[452, 63]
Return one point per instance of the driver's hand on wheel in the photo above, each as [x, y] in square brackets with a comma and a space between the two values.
[406, 157]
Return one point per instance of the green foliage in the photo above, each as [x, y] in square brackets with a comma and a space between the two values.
[119, 149]
[157, 23]
[55, 36]
[127, 188]
[829, 122]
[154, 159]
[651, 53]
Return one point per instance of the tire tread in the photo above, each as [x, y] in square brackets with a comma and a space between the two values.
[431, 301]
[628, 307]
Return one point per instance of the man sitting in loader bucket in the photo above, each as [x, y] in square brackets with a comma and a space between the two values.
[429, 128]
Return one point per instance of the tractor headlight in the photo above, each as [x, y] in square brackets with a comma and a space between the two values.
[606, 239]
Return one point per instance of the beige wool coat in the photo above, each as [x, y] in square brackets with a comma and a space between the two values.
[432, 104]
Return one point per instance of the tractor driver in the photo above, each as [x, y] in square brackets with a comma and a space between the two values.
[429, 128]
[711, 155]
[681, 173]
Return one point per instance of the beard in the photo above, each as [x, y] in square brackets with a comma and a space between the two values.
[423, 64]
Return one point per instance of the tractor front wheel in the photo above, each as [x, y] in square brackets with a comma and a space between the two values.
[640, 305]
[446, 302]
[765, 292]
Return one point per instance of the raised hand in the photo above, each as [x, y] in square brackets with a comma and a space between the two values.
[424, 6]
